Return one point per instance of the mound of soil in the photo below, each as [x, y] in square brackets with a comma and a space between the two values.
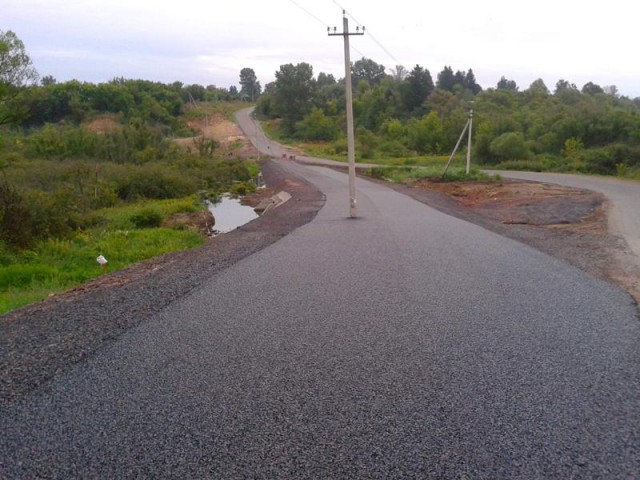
[202, 222]
[522, 202]
[225, 132]
[102, 124]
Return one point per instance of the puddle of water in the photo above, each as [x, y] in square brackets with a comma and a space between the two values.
[230, 214]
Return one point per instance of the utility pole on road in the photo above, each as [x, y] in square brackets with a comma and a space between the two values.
[349, 94]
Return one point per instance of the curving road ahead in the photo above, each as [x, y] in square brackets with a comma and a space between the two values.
[402, 344]
[624, 195]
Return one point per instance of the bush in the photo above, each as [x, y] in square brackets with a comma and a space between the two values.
[147, 218]
[317, 127]
[242, 188]
[393, 148]
[510, 146]
[15, 228]
[154, 184]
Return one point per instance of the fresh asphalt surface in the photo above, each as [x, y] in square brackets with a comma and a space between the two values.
[403, 343]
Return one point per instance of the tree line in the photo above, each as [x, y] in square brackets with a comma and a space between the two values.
[406, 113]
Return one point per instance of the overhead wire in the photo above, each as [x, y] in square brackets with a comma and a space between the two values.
[309, 13]
[376, 41]
[322, 22]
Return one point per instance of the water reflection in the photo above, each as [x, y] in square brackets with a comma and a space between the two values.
[230, 214]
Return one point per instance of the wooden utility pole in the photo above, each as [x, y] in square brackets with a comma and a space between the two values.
[469, 141]
[351, 153]
[469, 126]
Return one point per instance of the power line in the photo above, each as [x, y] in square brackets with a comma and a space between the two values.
[309, 13]
[322, 22]
[370, 35]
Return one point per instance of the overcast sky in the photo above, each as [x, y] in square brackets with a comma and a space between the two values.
[209, 42]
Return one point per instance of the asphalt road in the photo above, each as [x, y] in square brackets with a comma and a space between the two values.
[403, 343]
[624, 215]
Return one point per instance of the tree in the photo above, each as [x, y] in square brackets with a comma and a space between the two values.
[509, 85]
[294, 92]
[399, 73]
[16, 72]
[446, 79]
[16, 68]
[591, 88]
[469, 83]
[325, 80]
[538, 88]
[564, 86]
[48, 80]
[250, 86]
[416, 88]
[611, 90]
[368, 70]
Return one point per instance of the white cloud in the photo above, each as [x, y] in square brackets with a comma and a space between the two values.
[210, 42]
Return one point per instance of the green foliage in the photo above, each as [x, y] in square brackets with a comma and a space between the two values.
[242, 188]
[294, 92]
[16, 72]
[426, 135]
[316, 126]
[147, 218]
[14, 217]
[367, 71]
[250, 86]
[367, 143]
[416, 89]
[23, 275]
[573, 152]
[433, 173]
[509, 146]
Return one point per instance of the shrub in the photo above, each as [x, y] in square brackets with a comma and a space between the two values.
[146, 218]
[154, 184]
[393, 148]
[510, 146]
[242, 188]
[15, 228]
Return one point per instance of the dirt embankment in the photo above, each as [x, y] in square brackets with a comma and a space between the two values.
[226, 133]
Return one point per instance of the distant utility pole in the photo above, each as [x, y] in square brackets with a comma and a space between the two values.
[469, 141]
[349, 94]
[468, 126]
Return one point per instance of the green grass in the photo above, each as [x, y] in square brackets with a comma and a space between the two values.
[56, 265]
[397, 174]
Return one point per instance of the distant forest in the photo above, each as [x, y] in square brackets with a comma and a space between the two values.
[591, 129]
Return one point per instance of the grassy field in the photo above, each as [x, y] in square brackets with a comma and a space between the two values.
[55, 265]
